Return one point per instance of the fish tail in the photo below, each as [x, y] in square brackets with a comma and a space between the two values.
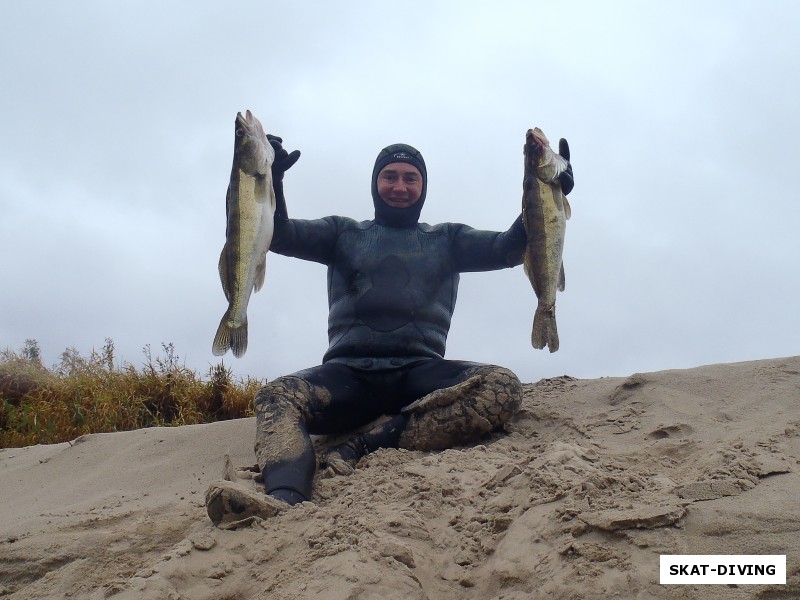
[230, 337]
[545, 332]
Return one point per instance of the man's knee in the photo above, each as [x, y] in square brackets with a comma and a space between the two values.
[290, 396]
[465, 412]
[500, 396]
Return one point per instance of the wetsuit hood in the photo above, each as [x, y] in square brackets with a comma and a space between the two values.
[389, 215]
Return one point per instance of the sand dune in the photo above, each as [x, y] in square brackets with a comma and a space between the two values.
[592, 482]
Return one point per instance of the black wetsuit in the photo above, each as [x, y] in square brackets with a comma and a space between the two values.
[392, 288]
[391, 294]
[392, 291]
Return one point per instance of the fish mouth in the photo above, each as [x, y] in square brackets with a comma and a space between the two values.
[244, 123]
[534, 144]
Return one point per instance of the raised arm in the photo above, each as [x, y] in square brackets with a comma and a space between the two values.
[477, 250]
[490, 250]
[309, 240]
[282, 163]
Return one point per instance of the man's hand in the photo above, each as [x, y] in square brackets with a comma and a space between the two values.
[566, 178]
[283, 159]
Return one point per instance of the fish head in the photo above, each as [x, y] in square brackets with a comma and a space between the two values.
[248, 125]
[252, 150]
[540, 158]
[538, 154]
[536, 144]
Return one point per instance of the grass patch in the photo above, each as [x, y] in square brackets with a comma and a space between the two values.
[80, 395]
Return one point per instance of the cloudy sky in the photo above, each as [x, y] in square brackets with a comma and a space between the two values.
[116, 138]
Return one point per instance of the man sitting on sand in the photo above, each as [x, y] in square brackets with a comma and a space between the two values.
[392, 285]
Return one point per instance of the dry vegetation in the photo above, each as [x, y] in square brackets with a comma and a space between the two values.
[79, 395]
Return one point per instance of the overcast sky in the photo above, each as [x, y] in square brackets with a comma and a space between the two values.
[116, 140]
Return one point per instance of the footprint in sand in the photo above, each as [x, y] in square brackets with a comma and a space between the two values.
[671, 431]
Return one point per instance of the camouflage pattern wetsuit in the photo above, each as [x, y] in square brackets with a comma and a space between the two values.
[392, 285]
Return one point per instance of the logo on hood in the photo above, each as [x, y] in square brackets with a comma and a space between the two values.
[402, 156]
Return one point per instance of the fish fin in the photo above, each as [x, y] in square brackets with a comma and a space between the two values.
[261, 272]
[561, 280]
[223, 275]
[545, 332]
[561, 165]
[222, 342]
[233, 338]
[567, 208]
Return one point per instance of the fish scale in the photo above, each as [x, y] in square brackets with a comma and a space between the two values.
[250, 212]
[545, 211]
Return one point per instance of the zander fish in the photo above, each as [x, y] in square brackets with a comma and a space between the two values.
[545, 211]
[250, 210]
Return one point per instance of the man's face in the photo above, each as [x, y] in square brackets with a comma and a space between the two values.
[400, 184]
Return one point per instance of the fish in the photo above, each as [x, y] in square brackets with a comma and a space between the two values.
[250, 220]
[545, 211]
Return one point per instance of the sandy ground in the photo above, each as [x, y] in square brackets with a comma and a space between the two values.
[593, 480]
